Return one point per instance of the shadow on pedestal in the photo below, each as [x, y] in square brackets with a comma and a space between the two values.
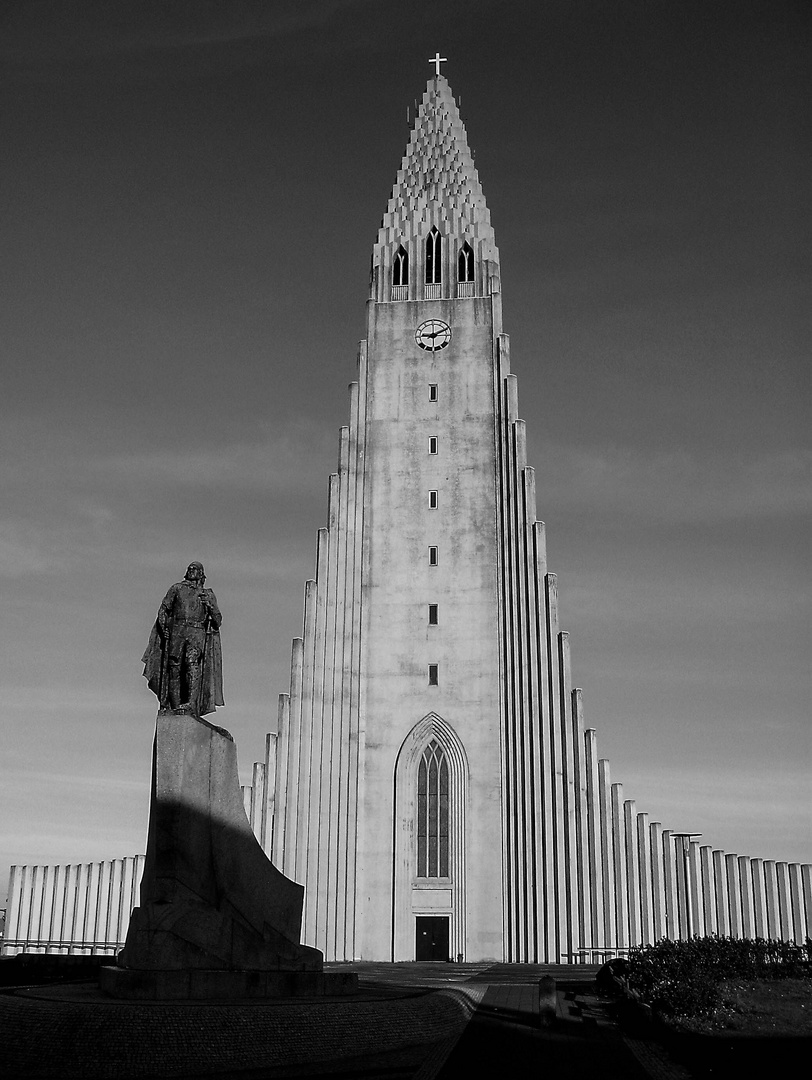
[216, 918]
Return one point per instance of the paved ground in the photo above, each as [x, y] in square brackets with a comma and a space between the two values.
[415, 1021]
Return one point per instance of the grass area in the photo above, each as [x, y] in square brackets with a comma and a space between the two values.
[758, 1007]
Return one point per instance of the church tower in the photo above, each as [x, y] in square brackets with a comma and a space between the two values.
[429, 727]
[434, 787]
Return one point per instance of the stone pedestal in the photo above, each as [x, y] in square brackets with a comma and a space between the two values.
[216, 918]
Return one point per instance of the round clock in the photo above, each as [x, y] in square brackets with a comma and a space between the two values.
[433, 335]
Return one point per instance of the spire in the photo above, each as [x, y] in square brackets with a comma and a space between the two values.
[437, 186]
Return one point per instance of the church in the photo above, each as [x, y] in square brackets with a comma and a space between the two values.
[432, 783]
[435, 788]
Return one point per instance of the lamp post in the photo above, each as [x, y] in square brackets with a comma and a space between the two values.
[686, 838]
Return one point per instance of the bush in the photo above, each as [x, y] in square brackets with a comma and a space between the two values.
[682, 978]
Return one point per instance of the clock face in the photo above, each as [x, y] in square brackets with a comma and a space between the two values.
[433, 335]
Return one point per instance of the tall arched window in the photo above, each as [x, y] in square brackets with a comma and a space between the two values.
[434, 262]
[432, 813]
[400, 267]
[465, 263]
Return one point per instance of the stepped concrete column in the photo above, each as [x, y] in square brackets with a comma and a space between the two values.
[784, 909]
[746, 895]
[734, 895]
[658, 915]
[708, 893]
[771, 894]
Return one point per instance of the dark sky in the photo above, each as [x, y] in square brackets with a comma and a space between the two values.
[191, 192]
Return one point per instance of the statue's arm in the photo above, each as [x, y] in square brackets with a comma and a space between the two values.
[165, 610]
[210, 600]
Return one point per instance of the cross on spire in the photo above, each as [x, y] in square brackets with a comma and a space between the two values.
[437, 60]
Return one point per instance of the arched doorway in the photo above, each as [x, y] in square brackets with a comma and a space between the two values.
[428, 873]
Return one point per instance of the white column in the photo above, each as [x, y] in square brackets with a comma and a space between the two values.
[784, 911]
[621, 880]
[34, 908]
[722, 907]
[771, 892]
[670, 857]
[258, 801]
[644, 867]
[69, 930]
[116, 903]
[746, 894]
[56, 934]
[632, 870]
[568, 753]
[581, 826]
[43, 929]
[92, 909]
[283, 751]
[759, 898]
[557, 775]
[127, 888]
[14, 909]
[291, 818]
[796, 897]
[270, 793]
[607, 855]
[593, 834]
[547, 935]
[681, 874]
[696, 908]
[734, 895]
[806, 885]
[658, 907]
[708, 889]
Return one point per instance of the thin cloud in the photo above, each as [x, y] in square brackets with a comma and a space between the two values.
[64, 30]
[61, 466]
[703, 601]
[278, 464]
[674, 487]
[23, 552]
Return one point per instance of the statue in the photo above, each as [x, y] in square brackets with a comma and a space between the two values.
[183, 664]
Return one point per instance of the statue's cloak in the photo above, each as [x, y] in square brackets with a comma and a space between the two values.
[154, 661]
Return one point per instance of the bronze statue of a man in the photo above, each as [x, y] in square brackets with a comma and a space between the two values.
[183, 664]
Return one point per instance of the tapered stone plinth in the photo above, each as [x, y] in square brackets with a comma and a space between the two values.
[216, 918]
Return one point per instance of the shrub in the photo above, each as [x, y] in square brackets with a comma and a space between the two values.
[681, 978]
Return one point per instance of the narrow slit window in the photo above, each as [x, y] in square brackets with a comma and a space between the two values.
[432, 444]
[432, 500]
[434, 674]
[434, 617]
[434, 556]
[400, 267]
[433, 391]
[465, 263]
[432, 813]
[434, 258]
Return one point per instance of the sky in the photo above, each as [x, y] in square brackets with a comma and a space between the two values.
[191, 192]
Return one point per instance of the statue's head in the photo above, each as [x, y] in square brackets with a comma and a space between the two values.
[195, 572]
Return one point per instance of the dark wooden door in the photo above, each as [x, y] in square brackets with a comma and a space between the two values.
[431, 937]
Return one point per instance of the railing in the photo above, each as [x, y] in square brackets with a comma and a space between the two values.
[596, 954]
[465, 288]
[53, 947]
[400, 292]
[433, 292]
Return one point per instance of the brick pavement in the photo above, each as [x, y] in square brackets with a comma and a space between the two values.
[421, 1021]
